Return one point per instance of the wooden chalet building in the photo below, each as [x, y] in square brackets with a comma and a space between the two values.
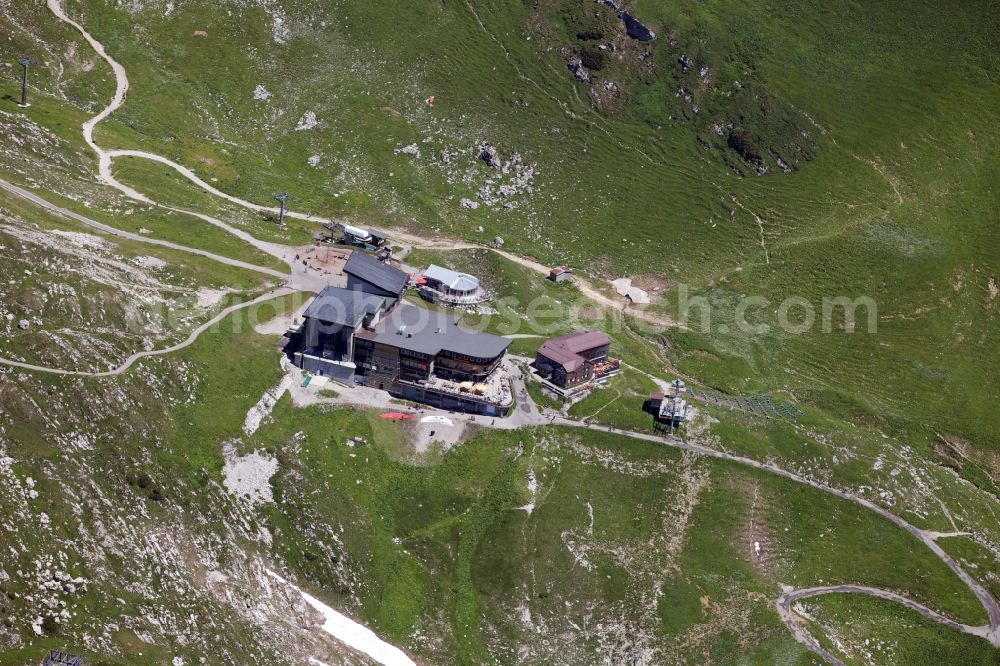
[575, 359]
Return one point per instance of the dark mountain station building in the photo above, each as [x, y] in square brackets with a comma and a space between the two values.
[368, 274]
[365, 334]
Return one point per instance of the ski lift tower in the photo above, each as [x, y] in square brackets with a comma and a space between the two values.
[673, 409]
[24, 82]
[281, 214]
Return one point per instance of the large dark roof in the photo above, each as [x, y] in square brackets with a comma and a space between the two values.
[431, 332]
[346, 307]
[368, 268]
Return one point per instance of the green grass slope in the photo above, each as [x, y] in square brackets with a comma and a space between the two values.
[885, 118]
[444, 558]
[885, 113]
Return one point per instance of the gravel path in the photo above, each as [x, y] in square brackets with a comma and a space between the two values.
[191, 339]
[108, 229]
[801, 633]
[989, 631]
[584, 285]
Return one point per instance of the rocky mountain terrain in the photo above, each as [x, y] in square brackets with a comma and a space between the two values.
[173, 493]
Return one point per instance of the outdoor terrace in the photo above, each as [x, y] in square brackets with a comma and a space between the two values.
[496, 390]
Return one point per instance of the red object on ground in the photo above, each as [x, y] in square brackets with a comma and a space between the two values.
[396, 415]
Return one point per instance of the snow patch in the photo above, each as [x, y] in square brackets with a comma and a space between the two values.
[624, 288]
[261, 93]
[348, 631]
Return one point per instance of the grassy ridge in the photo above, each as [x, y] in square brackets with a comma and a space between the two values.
[912, 131]
[897, 202]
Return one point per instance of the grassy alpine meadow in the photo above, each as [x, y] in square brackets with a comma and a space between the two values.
[874, 182]
[873, 624]
[104, 460]
[466, 554]
[618, 402]
[838, 437]
[807, 189]
[51, 159]
[417, 538]
[412, 521]
[166, 186]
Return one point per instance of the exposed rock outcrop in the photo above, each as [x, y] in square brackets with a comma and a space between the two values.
[488, 154]
[579, 71]
[635, 28]
[412, 150]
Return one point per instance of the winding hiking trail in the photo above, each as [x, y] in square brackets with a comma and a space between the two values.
[191, 339]
[299, 279]
[801, 632]
[106, 159]
[989, 631]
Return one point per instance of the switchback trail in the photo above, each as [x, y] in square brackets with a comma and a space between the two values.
[802, 635]
[990, 631]
[106, 158]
